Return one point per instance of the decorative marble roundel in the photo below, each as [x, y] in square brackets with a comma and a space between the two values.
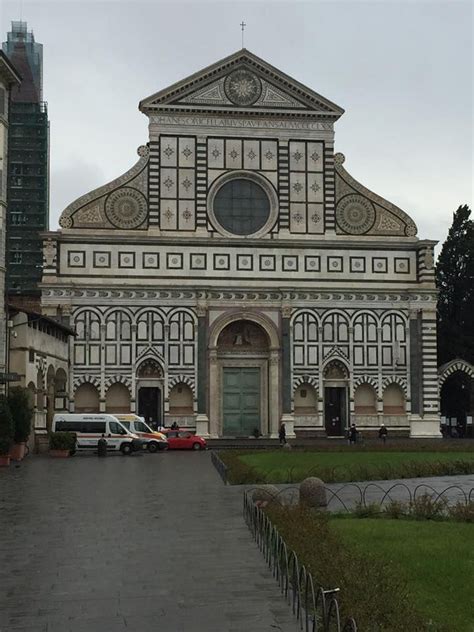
[242, 87]
[126, 208]
[355, 214]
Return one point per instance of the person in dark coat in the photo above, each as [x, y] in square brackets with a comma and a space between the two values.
[352, 434]
[282, 434]
[383, 432]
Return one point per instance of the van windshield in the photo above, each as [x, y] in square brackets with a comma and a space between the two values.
[116, 428]
[126, 424]
[141, 427]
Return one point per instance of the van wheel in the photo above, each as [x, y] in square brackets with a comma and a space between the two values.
[196, 446]
[126, 448]
[152, 447]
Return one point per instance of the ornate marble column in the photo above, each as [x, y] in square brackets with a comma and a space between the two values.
[287, 416]
[202, 419]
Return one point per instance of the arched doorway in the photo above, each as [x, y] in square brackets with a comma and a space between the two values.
[336, 381]
[244, 376]
[457, 404]
[149, 392]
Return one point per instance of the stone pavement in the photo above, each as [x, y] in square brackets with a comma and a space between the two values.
[138, 544]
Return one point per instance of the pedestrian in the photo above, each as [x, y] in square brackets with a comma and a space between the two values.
[383, 432]
[352, 434]
[282, 434]
[174, 426]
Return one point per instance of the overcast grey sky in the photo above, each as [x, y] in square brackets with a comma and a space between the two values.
[403, 71]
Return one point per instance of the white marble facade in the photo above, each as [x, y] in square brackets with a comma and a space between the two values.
[237, 275]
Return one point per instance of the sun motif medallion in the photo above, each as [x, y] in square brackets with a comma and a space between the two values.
[242, 87]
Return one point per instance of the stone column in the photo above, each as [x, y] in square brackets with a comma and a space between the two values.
[274, 398]
[202, 419]
[214, 393]
[287, 416]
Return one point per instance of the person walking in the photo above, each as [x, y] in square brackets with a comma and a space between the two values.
[282, 434]
[383, 432]
[352, 435]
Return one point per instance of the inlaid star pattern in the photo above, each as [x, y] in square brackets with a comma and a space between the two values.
[233, 154]
[297, 187]
[216, 153]
[315, 156]
[269, 155]
[169, 214]
[252, 155]
[186, 183]
[169, 151]
[315, 187]
[297, 156]
[187, 214]
[186, 152]
[298, 218]
[168, 183]
[315, 218]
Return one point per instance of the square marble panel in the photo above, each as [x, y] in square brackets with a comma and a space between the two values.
[198, 261]
[379, 265]
[168, 215]
[150, 260]
[168, 188]
[174, 261]
[315, 158]
[297, 187]
[186, 215]
[335, 264]
[251, 154]
[289, 263]
[315, 187]
[186, 184]
[221, 261]
[402, 265]
[76, 259]
[215, 153]
[297, 155]
[269, 155]
[101, 259]
[233, 154]
[267, 263]
[312, 263]
[315, 214]
[126, 260]
[245, 262]
[357, 264]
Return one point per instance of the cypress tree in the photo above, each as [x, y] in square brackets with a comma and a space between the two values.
[455, 282]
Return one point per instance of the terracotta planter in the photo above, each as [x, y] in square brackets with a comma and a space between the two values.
[4, 460]
[59, 454]
[17, 451]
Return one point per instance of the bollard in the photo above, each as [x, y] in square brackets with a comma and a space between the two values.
[102, 446]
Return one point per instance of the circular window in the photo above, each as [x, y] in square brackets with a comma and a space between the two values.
[241, 207]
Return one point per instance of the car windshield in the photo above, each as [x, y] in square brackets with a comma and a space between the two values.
[126, 424]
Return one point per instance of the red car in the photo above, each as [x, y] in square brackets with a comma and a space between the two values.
[184, 440]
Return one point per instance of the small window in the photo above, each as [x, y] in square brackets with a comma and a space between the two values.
[303, 392]
[31, 355]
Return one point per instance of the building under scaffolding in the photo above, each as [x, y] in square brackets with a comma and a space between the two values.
[28, 169]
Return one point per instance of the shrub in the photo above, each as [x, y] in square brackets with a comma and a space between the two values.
[396, 509]
[22, 412]
[462, 512]
[7, 428]
[62, 441]
[425, 507]
[371, 510]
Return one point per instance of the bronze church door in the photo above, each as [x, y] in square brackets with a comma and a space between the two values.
[241, 401]
[149, 405]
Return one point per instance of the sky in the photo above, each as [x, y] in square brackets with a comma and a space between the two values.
[403, 71]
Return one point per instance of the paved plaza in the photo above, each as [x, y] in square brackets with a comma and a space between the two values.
[137, 544]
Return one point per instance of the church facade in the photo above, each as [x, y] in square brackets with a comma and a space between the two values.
[237, 276]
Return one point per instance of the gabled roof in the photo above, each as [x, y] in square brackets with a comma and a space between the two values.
[208, 90]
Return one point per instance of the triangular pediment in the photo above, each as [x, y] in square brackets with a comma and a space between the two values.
[241, 82]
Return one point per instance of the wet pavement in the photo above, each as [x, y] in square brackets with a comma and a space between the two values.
[138, 544]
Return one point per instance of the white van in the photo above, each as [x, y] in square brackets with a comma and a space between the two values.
[89, 428]
[153, 440]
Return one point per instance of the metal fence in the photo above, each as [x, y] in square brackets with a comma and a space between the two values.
[316, 609]
[220, 466]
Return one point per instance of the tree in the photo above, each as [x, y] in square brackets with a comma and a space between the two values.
[22, 412]
[7, 428]
[455, 282]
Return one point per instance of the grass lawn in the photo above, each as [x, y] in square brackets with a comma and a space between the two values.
[290, 467]
[435, 558]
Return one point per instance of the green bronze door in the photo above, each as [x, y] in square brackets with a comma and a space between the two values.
[241, 401]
